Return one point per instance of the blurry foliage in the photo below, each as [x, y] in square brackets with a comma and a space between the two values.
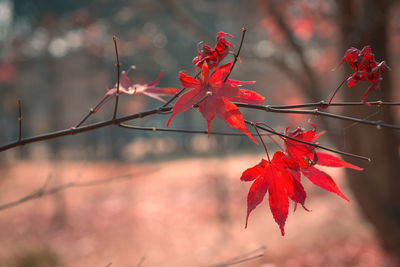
[36, 8]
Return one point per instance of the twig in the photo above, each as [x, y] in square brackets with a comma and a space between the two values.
[167, 110]
[102, 101]
[42, 191]
[118, 79]
[282, 109]
[19, 121]
[174, 97]
[336, 90]
[241, 258]
[336, 116]
[92, 110]
[307, 143]
[86, 128]
[323, 104]
[237, 54]
[156, 129]
[109, 264]
[237, 261]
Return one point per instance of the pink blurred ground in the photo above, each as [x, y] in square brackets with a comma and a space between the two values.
[182, 213]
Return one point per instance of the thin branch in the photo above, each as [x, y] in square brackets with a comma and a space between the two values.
[102, 101]
[155, 129]
[118, 78]
[174, 97]
[237, 54]
[167, 110]
[92, 110]
[19, 121]
[241, 258]
[307, 143]
[379, 124]
[42, 191]
[336, 90]
[237, 261]
[323, 104]
[86, 128]
[269, 108]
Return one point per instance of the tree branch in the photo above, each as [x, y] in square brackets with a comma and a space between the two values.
[167, 110]
[156, 129]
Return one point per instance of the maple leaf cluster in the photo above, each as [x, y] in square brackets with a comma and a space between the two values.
[213, 56]
[214, 94]
[365, 68]
[281, 176]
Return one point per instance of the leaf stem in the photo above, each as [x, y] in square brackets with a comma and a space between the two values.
[262, 141]
[334, 93]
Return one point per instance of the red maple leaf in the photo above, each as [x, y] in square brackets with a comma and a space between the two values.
[213, 56]
[307, 157]
[304, 154]
[281, 178]
[148, 89]
[365, 68]
[214, 96]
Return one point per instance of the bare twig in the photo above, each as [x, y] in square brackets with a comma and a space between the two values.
[236, 56]
[156, 129]
[241, 258]
[323, 104]
[174, 97]
[167, 110]
[336, 90]
[92, 110]
[19, 121]
[378, 124]
[118, 78]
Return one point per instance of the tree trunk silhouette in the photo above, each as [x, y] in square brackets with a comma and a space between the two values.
[376, 188]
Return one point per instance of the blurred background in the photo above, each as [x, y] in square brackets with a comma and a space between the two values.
[176, 199]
